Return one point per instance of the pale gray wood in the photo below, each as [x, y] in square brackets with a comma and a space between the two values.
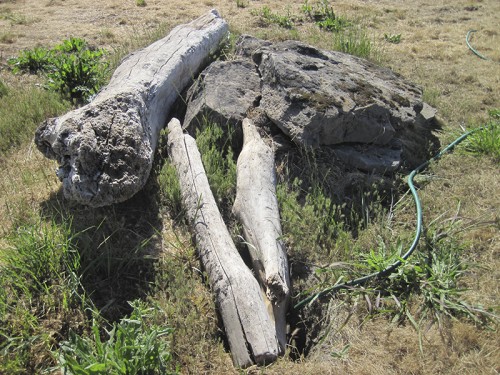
[105, 149]
[249, 328]
[256, 206]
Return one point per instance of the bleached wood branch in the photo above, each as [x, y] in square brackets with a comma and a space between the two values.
[249, 328]
[105, 149]
[256, 206]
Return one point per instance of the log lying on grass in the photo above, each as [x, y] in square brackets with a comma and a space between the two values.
[250, 330]
[256, 206]
[105, 149]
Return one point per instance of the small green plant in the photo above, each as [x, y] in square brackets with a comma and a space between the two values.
[3, 89]
[22, 110]
[392, 38]
[312, 223]
[72, 68]
[354, 41]
[433, 277]
[268, 17]
[169, 185]
[487, 140]
[38, 271]
[133, 346]
[324, 16]
[31, 61]
[241, 3]
[218, 159]
[140, 3]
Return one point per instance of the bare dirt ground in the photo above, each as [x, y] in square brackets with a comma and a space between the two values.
[432, 53]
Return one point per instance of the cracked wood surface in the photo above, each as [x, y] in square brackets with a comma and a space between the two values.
[256, 206]
[249, 328]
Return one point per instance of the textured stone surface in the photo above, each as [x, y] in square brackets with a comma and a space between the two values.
[324, 98]
[223, 93]
[320, 98]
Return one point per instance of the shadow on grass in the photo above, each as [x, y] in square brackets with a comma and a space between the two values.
[118, 246]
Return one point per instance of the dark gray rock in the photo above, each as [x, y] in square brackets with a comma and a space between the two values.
[224, 93]
[370, 158]
[320, 98]
[324, 98]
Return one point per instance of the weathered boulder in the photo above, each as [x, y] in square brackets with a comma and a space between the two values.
[321, 98]
[105, 149]
[224, 92]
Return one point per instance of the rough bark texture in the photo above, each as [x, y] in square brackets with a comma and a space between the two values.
[256, 206]
[249, 328]
[105, 149]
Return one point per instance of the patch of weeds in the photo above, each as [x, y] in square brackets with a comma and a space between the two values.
[324, 16]
[392, 38]
[14, 18]
[218, 159]
[189, 307]
[241, 3]
[312, 223]
[354, 41]
[268, 17]
[22, 110]
[135, 345]
[38, 274]
[431, 277]
[108, 35]
[431, 97]
[31, 61]
[7, 38]
[72, 68]
[170, 188]
[140, 3]
[486, 141]
[3, 89]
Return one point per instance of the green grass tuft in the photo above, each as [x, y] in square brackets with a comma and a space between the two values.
[133, 346]
[72, 68]
[218, 159]
[487, 140]
[22, 110]
[38, 280]
[268, 17]
[354, 41]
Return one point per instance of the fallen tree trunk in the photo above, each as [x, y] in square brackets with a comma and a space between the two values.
[250, 330]
[256, 206]
[105, 149]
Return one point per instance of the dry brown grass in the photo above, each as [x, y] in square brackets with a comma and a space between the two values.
[432, 53]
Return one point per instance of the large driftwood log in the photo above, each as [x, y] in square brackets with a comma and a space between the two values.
[250, 330]
[256, 206]
[105, 149]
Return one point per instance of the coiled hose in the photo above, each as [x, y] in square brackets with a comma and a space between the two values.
[418, 231]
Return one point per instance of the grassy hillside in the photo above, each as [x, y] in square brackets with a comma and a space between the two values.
[120, 289]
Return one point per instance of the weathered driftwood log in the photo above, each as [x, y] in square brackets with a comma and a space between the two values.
[249, 328]
[256, 206]
[105, 149]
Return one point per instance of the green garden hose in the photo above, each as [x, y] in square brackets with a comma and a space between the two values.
[472, 48]
[418, 231]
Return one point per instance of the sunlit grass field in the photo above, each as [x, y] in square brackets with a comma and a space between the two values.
[120, 289]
